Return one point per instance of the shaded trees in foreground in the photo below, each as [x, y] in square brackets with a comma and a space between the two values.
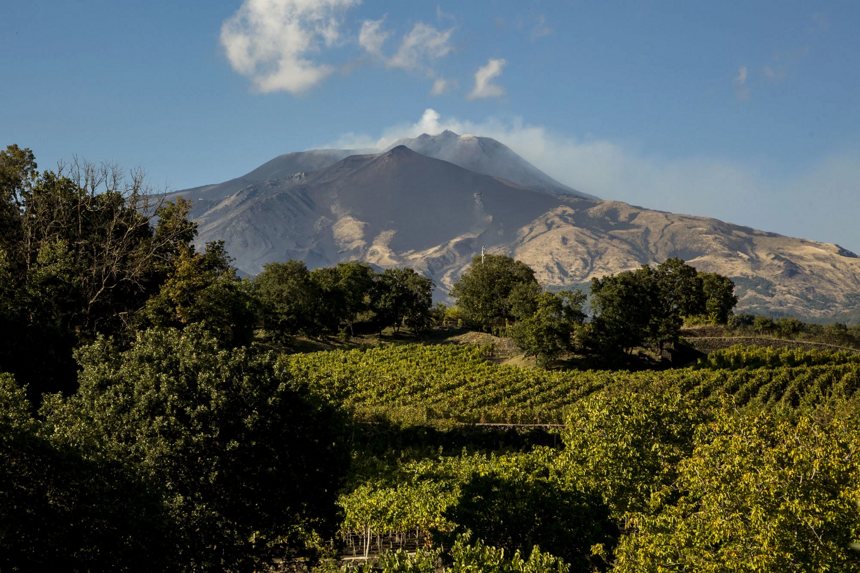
[241, 462]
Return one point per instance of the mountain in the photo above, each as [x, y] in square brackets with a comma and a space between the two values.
[280, 167]
[403, 208]
[488, 157]
[371, 207]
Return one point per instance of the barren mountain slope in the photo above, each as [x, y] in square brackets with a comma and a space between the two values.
[489, 157]
[773, 273]
[373, 207]
[403, 208]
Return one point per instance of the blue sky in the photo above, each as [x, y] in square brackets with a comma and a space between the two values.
[744, 111]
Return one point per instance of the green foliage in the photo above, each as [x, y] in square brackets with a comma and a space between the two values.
[441, 382]
[427, 383]
[343, 294]
[648, 305]
[720, 299]
[465, 556]
[757, 494]
[520, 507]
[491, 289]
[788, 327]
[244, 455]
[424, 561]
[513, 502]
[547, 332]
[763, 325]
[79, 256]
[63, 511]
[295, 301]
[622, 306]
[738, 357]
[203, 289]
[478, 556]
[626, 447]
[402, 297]
[288, 297]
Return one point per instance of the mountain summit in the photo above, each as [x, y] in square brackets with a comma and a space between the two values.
[405, 207]
[488, 157]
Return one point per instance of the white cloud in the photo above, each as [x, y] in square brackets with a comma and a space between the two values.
[819, 202]
[442, 86]
[271, 41]
[423, 43]
[418, 49]
[484, 86]
[372, 36]
[541, 29]
[739, 82]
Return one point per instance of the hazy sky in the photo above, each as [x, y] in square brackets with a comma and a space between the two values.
[744, 111]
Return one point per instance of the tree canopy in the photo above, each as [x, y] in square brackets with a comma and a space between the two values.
[246, 457]
[488, 291]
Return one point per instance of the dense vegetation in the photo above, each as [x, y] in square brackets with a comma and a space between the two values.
[149, 419]
[437, 383]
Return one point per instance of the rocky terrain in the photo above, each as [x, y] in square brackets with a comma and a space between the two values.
[405, 208]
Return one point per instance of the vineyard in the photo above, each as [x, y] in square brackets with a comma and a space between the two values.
[458, 384]
[627, 434]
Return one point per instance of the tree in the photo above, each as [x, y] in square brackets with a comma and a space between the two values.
[245, 456]
[623, 308]
[202, 288]
[81, 255]
[402, 297]
[758, 493]
[648, 305]
[547, 333]
[679, 293]
[484, 291]
[720, 296]
[763, 325]
[789, 327]
[626, 447]
[18, 173]
[344, 294]
[355, 280]
[63, 511]
[289, 299]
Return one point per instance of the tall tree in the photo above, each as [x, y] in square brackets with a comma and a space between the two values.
[484, 292]
[402, 297]
[720, 297]
[623, 308]
[82, 253]
[547, 333]
[678, 293]
[246, 457]
[289, 299]
[202, 288]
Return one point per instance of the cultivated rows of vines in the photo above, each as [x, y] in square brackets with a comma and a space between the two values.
[457, 383]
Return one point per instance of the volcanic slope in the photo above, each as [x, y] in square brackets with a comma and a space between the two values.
[489, 157]
[377, 208]
[401, 208]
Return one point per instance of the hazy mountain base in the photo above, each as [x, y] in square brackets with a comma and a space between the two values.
[401, 208]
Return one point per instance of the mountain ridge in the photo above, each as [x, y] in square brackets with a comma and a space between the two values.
[403, 208]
